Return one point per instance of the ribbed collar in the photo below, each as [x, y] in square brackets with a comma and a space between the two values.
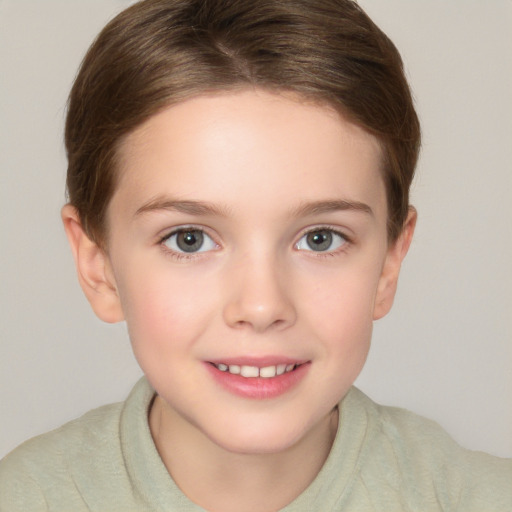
[157, 491]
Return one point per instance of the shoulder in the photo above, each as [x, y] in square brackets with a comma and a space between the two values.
[417, 454]
[84, 465]
[94, 426]
[52, 462]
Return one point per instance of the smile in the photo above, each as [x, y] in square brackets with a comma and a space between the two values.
[266, 372]
[258, 380]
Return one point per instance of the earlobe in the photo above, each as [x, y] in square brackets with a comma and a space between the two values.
[389, 277]
[93, 268]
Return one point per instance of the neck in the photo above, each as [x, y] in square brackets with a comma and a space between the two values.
[208, 474]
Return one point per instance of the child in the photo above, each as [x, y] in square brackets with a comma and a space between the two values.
[238, 182]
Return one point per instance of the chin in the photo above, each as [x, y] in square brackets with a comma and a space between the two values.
[261, 445]
[260, 438]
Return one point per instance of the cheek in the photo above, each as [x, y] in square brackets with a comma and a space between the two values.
[164, 309]
[343, 301]
[344, 323]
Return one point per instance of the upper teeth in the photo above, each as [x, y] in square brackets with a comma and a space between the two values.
[254, 371]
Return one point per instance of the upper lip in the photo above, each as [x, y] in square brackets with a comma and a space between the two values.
[260, 362]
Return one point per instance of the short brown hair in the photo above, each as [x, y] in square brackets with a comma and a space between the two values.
[159, 52]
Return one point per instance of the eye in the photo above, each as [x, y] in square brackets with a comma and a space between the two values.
[189, 240]
[321, 240]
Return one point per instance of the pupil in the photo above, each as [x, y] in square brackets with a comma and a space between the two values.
[190, 241]
[319, 240]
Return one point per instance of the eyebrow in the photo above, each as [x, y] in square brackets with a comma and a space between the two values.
[205, 208]
[182, 206]
[319, 207]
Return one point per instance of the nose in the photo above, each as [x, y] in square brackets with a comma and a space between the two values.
[260, 296]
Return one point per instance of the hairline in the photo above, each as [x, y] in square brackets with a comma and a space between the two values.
[101, 234]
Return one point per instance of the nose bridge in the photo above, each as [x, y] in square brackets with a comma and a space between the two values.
[259, 293]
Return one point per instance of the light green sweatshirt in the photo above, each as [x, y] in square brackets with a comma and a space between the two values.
[383, 459]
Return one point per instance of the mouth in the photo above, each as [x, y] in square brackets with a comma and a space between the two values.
[258, 376]
[265, 372]
[258, 380]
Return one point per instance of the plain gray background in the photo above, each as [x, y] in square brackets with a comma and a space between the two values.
[445, 351]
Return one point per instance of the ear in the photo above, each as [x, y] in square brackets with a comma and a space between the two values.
[93, 267]
[389, 277]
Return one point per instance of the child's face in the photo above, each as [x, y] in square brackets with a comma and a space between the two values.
[249, 230]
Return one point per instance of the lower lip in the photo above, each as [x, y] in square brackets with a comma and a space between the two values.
[259, 388]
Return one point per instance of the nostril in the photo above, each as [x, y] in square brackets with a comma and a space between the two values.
[259, 300]
[259, 319]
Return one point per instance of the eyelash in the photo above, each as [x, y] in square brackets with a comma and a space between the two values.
[180, 256]
[348, 241]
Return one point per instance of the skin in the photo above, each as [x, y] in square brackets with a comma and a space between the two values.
[255, 172]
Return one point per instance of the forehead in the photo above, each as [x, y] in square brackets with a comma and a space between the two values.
[232, 147]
